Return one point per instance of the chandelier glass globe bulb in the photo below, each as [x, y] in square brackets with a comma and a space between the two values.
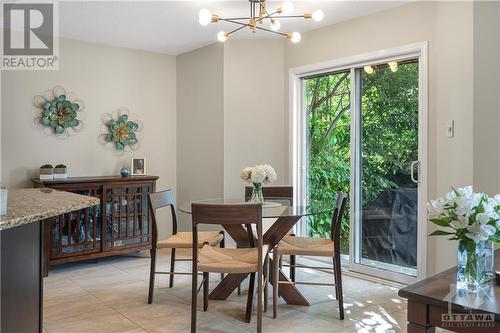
[204, 16]
[275, 25]
[287, 7]
[295, 37]
[222, 36]
[318, 15]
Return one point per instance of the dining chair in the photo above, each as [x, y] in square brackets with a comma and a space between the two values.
[278, 193]
[178, 239]
[316, 247]
[210, 259]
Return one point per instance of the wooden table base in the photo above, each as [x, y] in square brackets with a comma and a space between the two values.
[272, 236]
[228, 285]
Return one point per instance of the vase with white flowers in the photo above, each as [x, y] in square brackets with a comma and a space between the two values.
[258, 175]
[473, 219]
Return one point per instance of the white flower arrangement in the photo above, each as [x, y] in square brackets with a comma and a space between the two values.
[468, 216]
[259, 174]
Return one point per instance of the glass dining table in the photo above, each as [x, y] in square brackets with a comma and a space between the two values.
[285, 216]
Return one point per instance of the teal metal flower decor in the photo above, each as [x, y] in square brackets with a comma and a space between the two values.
[58, 112]
[121, 130]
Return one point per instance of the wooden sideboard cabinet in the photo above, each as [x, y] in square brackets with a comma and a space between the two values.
[121, 223]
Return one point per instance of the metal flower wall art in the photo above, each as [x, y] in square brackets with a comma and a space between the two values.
[59, 113]
[121, 130]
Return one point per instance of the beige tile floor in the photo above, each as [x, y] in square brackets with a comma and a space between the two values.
[111, 296]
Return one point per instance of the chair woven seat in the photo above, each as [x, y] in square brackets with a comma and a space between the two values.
[224, 260]
[306, 246]
[185, 239]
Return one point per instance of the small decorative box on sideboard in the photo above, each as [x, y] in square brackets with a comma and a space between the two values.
[121, 223]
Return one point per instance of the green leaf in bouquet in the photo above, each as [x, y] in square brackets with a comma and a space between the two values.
[441, 233]
[493, 222]
[467, 245]
[495, 238]
[444, 222]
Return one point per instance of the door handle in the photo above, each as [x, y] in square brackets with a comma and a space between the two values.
[412, 171]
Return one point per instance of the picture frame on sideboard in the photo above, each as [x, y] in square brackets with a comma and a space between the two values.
[138, 166]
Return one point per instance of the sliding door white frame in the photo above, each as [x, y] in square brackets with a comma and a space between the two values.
[298, 153]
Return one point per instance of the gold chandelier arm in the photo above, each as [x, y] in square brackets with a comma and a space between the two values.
[237, 29]
[289, 16]
[264, 17]
[243, 25]
[235, 22]
[270, 16]
[272, 31]
[234, 18]
[267, 15]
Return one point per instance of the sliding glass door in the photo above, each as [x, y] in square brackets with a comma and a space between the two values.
[385, 168]
[360, 130]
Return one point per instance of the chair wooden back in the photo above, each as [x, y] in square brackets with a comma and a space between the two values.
[337, 215]
[272, 192]
[228, 214]
[244, 214]
[159, 200]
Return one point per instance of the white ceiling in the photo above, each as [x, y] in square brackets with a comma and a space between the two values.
[172, 27]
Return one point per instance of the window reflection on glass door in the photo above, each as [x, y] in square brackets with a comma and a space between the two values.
[387, 188]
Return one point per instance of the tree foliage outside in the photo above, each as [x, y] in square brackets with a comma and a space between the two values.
[389, 142]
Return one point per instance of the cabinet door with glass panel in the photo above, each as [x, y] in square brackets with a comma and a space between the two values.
[127, 215]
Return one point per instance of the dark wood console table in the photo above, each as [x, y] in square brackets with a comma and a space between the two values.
[433, 302]
[121, 223]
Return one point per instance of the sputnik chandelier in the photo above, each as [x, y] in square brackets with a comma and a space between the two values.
[259, 14]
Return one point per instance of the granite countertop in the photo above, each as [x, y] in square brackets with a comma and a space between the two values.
[30, 205]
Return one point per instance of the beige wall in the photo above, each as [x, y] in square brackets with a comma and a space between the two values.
[497, 150]
[486, 96]
[448, 29]
[230, 115]
[105, 78]
[253, 110]
[200, 126]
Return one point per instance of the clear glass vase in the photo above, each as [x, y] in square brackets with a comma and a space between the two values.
[257, 196]
[475, 265]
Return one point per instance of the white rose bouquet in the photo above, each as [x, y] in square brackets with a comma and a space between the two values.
[473, 219]
[258, 175]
